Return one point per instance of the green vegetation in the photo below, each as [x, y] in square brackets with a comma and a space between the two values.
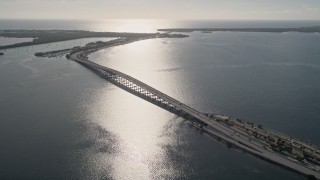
[49, 36]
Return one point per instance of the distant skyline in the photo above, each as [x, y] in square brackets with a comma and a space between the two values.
[164, 9]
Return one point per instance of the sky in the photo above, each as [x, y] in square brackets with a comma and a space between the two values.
[161, 9]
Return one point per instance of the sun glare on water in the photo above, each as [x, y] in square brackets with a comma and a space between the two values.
[132, 25]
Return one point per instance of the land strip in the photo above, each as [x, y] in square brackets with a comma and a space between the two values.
[50, 36]
[315, 29]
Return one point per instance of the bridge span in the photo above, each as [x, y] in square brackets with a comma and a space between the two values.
[209, 125]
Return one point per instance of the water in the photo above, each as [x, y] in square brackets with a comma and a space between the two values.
[61, 121]
[8, 41]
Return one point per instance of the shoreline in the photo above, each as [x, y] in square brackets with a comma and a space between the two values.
[315, 29]
[51, 36]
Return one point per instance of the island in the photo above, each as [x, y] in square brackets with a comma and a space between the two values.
[50, 36]
[314, 29]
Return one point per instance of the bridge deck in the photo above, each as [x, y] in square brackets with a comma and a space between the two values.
[207, 124]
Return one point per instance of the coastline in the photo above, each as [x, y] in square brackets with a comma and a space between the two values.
[50, 36]
[315, 29]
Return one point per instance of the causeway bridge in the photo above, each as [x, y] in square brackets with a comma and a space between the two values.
[207, 124]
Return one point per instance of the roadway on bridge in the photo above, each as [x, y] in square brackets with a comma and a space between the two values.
[214, 128]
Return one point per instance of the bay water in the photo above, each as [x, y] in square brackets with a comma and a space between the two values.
[62, 121]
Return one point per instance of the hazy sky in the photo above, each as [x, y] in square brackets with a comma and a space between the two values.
[163, 9]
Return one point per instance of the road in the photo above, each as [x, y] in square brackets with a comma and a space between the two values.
[213, 128]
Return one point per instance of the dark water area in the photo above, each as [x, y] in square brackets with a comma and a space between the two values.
[61, 121]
